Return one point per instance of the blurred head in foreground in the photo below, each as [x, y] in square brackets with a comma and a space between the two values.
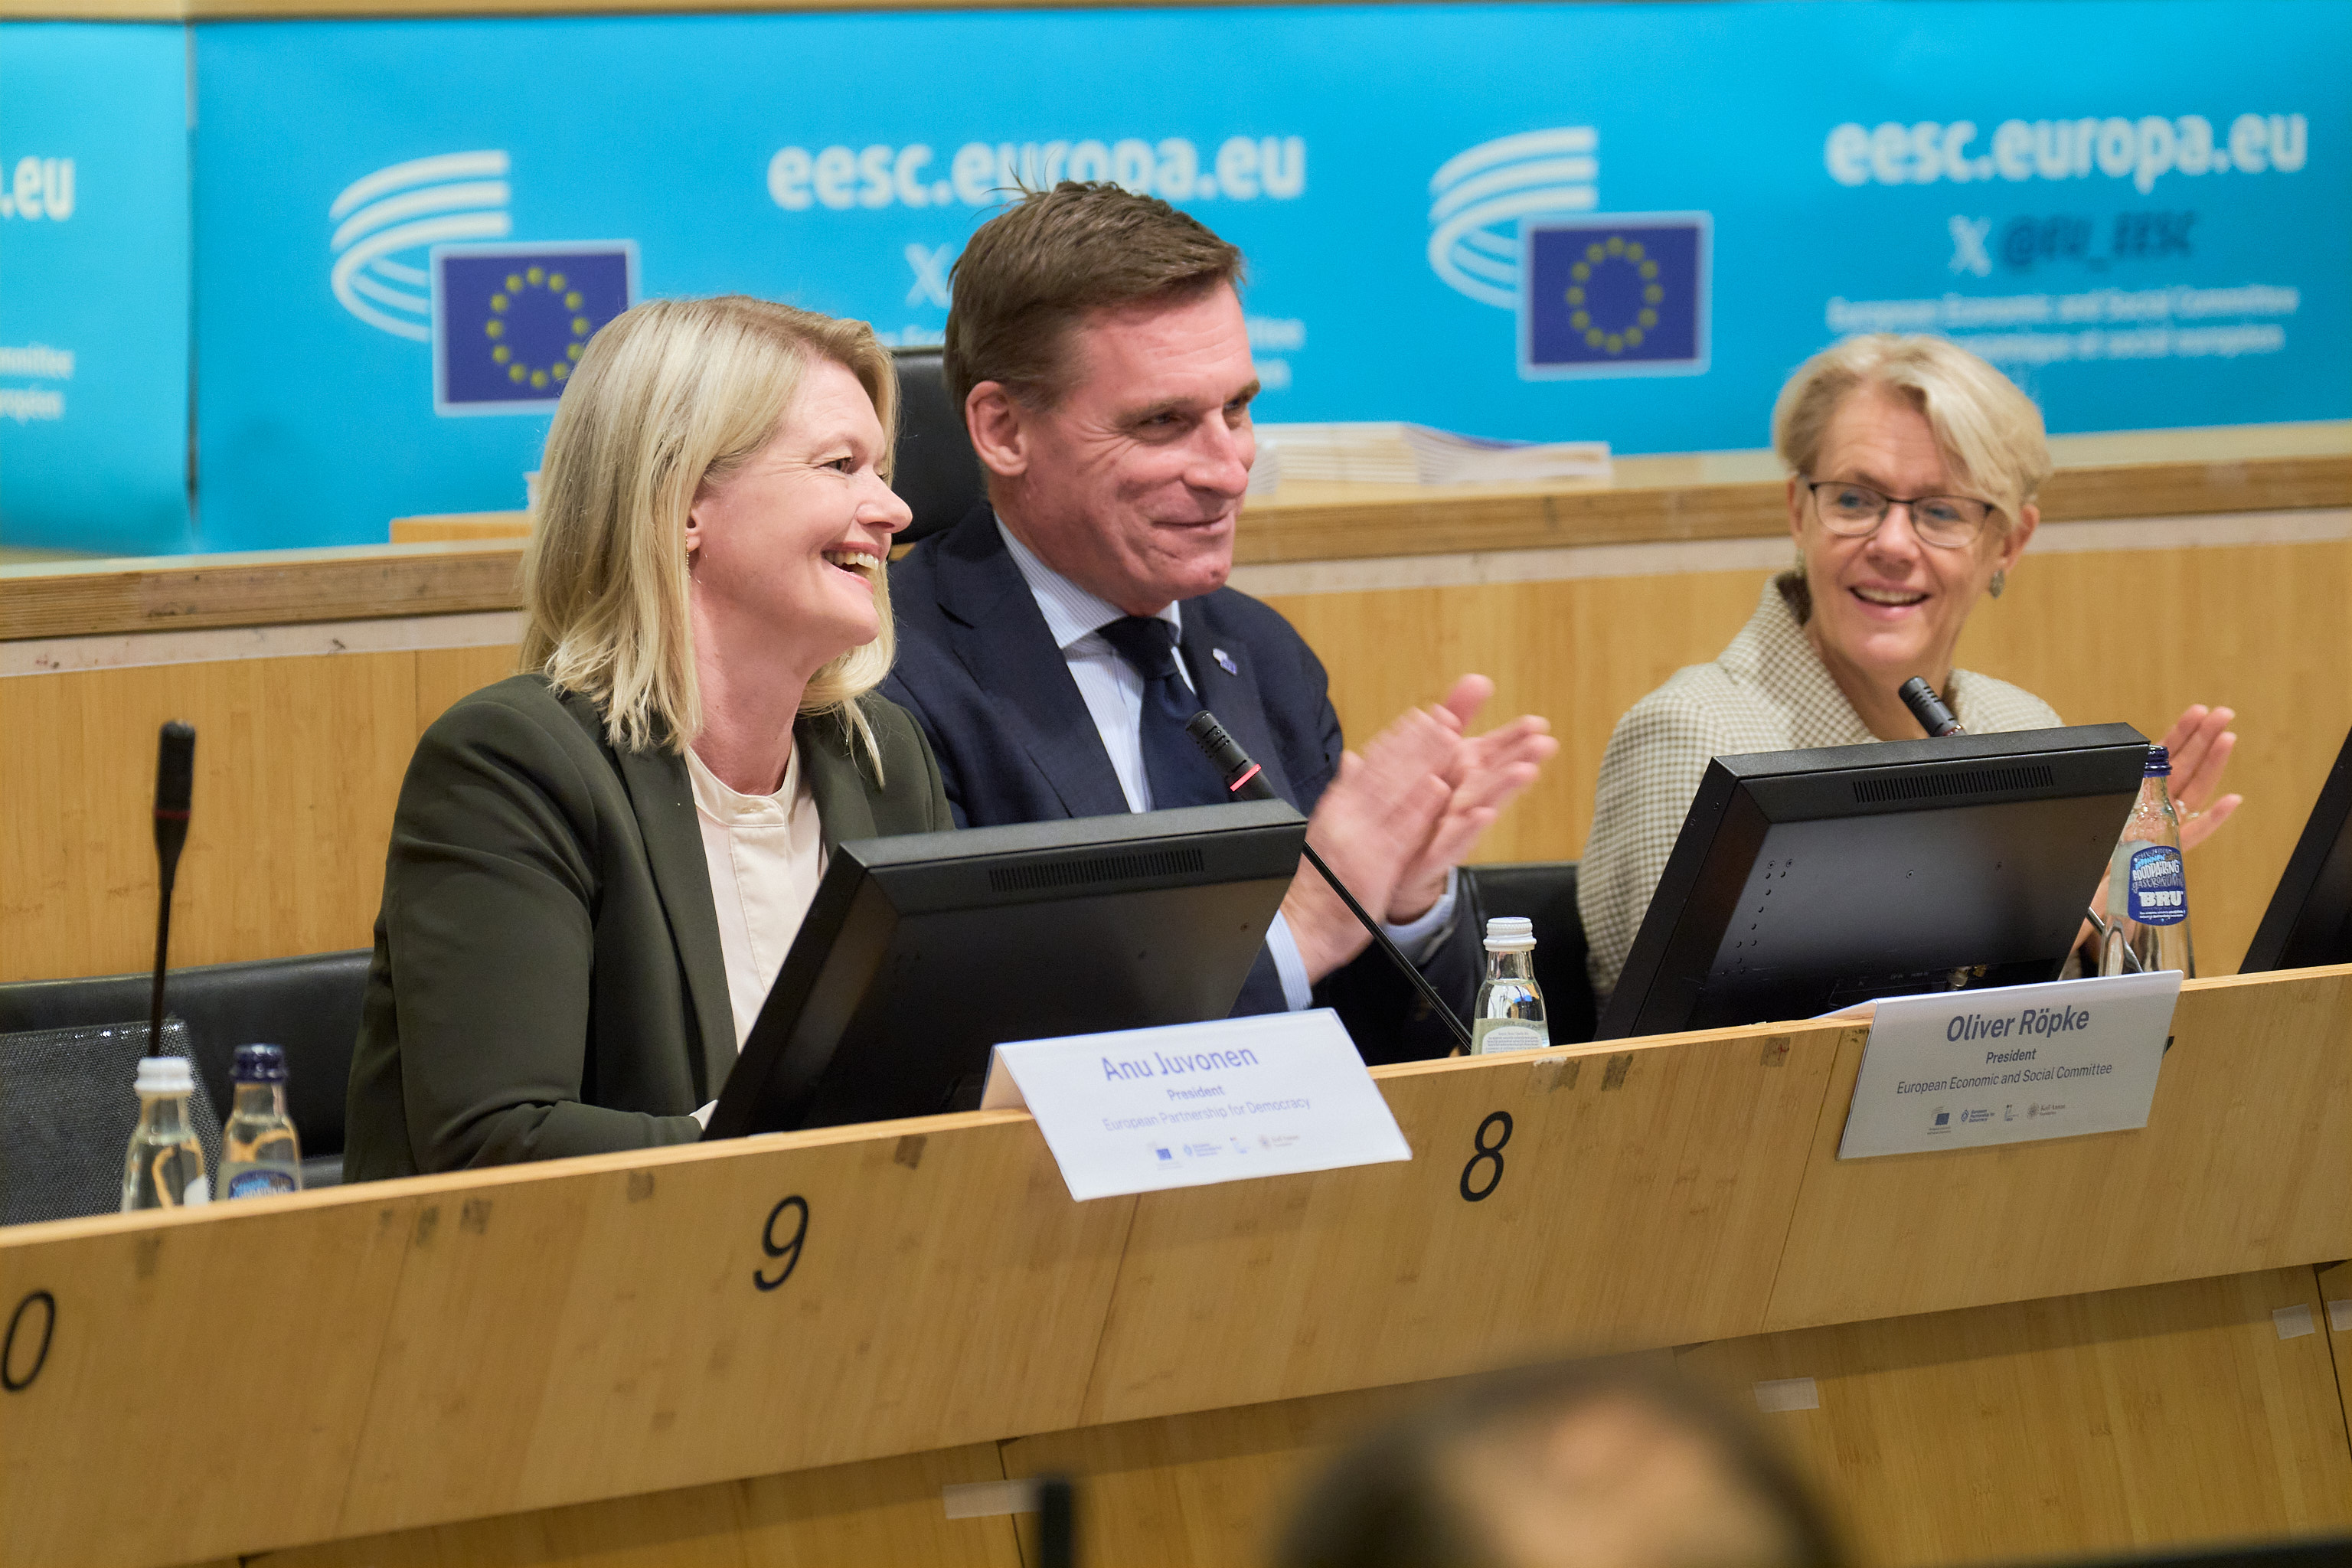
[1591, 1465]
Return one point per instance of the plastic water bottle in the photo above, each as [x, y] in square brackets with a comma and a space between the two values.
[164, 1167]
[2148, 888]
[260, 1150]
[1509, 1015]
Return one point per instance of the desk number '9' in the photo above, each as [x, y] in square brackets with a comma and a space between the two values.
[787, 1251]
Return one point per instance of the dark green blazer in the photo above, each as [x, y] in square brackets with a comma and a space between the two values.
[547, 979]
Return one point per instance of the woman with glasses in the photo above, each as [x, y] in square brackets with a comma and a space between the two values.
[1913, 468]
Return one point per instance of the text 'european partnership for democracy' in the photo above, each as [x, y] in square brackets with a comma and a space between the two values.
[1170, 1066]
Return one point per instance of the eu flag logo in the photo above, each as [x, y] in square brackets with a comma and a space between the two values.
[1614, 296]
[509, 322]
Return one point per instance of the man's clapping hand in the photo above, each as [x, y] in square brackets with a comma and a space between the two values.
[1395, 821]
[1488, 772]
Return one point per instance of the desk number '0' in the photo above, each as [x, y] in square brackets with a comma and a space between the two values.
[1487, 1152]
[788, 1250]
[11, 1355]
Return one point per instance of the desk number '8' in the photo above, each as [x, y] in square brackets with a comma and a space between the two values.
[789, 1249]
[1499, 1125]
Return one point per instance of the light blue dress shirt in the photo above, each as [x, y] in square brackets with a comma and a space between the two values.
[1113, 691]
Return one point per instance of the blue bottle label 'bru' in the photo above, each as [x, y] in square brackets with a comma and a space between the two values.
[259, 1183]
[2159, 892]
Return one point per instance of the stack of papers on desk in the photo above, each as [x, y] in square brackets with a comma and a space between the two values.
[1397, 454]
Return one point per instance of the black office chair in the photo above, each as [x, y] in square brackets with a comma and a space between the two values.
[1544, 892]
[68, 1109]
[309, 1006]
[937, 473]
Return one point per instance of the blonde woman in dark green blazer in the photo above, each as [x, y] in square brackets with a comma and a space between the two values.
[596, 864]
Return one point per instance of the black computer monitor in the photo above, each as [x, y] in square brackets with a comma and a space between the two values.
[920, 952]
[1804, 882]
[2310, 918]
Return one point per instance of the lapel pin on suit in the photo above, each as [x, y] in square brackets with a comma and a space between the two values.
[1224, 661]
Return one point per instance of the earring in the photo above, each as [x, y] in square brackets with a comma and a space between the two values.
[1999, 581]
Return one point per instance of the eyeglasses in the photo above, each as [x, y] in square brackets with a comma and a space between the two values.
[1854, 512]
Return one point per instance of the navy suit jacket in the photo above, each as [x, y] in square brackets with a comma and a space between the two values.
[979, 670]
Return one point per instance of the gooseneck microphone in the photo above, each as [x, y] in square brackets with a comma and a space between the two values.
[176, 775]
[1244, 780]
[1928, 708]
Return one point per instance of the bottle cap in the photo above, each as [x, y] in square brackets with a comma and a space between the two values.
[165, 1075]
[259, 1064]
[2159, 764]
[1507, 932]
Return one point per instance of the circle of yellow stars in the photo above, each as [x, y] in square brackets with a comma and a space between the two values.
[518, 284]
[1616, 249]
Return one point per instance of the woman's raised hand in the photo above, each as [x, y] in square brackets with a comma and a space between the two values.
[2200, 742]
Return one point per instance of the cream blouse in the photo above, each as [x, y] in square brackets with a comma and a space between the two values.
[766, 857]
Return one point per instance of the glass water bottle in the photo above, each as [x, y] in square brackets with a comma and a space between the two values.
[260, 1150]
[164, 1167]
[1509, 1015]
[2148, 888]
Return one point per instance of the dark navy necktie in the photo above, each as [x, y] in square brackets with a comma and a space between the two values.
[1180, 774]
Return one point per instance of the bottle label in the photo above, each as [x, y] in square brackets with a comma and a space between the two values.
[1501, 1034]
[2159, 891]
[258, 1183]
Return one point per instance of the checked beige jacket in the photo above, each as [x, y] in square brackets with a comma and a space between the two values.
[1769, 691]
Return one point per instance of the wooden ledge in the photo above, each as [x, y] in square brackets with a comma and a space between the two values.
[1740, 494]
[459, 563]
[174, 592]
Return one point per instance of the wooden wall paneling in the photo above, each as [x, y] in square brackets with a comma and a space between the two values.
[947, 1290]
[1641, 1199]
[2242, 1166]
[881, 1511]
[2138, 635]
[445, 674]
[2089, 1425]
[301, 758]
[1201, 1490]
[206, 1379]
[297, 763]
[2258, 627]
[1579, 652]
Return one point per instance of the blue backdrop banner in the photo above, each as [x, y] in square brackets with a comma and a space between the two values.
[94, 263]
[2142, 212]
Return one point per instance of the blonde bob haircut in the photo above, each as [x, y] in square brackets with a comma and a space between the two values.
[1989, 432]
[669, 397]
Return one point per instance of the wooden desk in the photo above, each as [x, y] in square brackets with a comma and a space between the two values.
[474, 1368]
[1579, 598]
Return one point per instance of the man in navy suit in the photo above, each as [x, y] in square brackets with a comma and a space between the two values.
[1053, 643]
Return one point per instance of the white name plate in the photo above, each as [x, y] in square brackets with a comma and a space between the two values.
[1192, 1104]
[1961, 1069]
